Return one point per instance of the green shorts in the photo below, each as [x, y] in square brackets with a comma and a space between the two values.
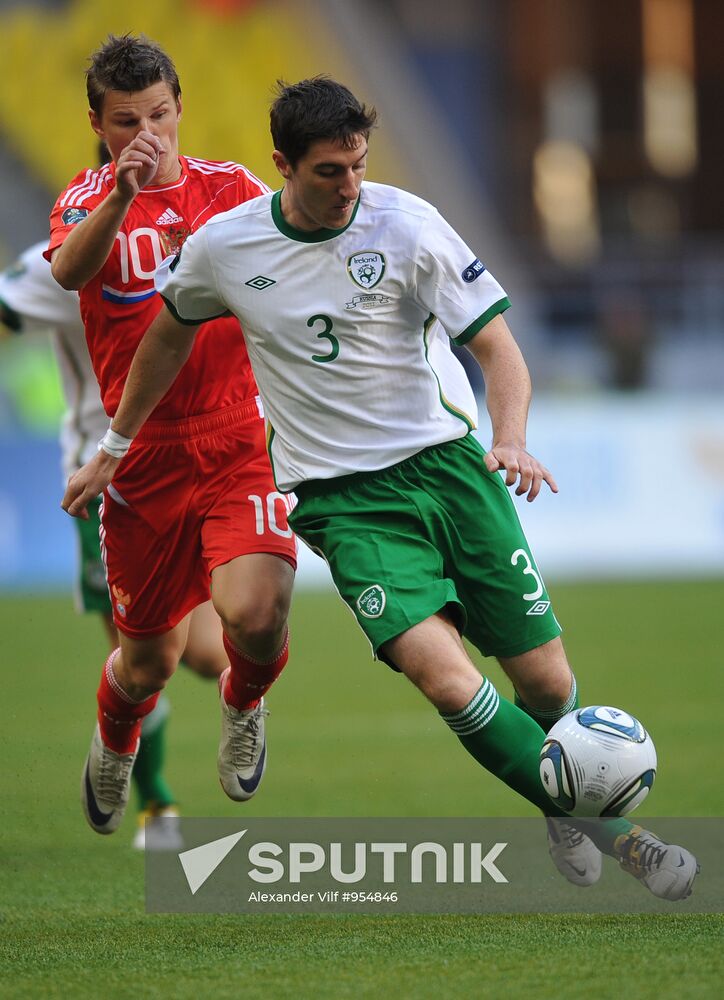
[435, 531]
[91, 589]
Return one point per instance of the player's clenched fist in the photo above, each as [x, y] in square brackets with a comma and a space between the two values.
[139, 162]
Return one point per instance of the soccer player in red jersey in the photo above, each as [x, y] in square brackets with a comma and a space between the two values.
[193, 511]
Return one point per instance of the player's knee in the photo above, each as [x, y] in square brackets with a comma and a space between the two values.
[153, 670]
[257, 628]
[541, 676]
[547, 690]
[449, 690]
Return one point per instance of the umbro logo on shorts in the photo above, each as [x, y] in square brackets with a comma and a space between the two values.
[539, 608]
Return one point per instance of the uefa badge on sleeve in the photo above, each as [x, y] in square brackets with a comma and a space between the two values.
[473, 271]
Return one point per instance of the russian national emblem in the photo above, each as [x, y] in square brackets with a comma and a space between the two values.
[366, 268]
[122, 600]
[173, 238]
[371, 602]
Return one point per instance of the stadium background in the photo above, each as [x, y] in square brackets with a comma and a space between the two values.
[577, 146]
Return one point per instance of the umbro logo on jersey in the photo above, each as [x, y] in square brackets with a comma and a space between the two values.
[260, 282]
[169, 218]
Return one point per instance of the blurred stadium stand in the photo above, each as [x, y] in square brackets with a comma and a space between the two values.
[575, 144]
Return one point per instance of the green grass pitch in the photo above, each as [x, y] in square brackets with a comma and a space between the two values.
[346, 738]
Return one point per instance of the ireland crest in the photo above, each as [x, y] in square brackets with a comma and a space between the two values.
[366, 268]
[371, 602]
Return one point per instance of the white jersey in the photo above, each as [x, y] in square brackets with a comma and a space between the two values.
[348, 331]
[29, 290]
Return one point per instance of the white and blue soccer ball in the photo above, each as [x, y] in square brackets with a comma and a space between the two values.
[598, 761]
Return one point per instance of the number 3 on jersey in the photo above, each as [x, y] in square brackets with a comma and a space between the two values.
[325, 334]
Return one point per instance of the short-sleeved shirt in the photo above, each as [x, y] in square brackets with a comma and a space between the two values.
[120, 302]
[30, 291]
[348, 330]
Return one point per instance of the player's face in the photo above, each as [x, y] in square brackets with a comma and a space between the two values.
[153, 110]
[321, 190]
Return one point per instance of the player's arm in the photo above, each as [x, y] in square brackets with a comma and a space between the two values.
[507, 394]
[161, 355]
[87, 246]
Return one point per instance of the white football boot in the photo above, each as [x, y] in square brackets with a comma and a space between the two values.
[667, 870]
[105, 784]
[242, 749]
[574, 854]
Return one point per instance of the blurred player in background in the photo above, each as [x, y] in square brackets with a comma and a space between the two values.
[369, 419]
[31, 301]
[195, 512]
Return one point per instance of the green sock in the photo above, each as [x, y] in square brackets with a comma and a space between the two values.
[147, 771]
[605, 832]
[507, 742]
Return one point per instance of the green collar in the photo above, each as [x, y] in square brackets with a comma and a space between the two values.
[303, 235]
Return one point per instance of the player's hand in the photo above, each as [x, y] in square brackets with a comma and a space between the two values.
[521, 468]
[88, 483]
[139, 163]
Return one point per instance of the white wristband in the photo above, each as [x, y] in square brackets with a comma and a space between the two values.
[114, 444]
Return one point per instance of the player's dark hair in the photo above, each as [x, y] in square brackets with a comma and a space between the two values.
[128, 63]
[318, 108]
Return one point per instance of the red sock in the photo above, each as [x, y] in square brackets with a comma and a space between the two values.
[249, 679]
[119, 716]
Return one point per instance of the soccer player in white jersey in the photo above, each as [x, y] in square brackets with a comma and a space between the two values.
[349, 294]
[32, 302]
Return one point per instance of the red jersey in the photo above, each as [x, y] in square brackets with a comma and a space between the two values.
[120, 302]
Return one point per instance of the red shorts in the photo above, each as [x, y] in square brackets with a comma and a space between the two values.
[191, 495]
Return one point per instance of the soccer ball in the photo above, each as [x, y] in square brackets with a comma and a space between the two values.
[598, 761]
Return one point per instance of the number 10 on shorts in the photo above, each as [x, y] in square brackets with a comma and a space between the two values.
[265, 511]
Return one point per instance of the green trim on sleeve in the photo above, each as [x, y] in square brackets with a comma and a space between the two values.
[191, 322]
[477, 325]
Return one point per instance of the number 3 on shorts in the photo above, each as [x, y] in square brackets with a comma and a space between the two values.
[266, 513]
[528, 571]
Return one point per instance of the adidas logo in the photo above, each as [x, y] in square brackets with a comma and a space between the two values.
[168, 218]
